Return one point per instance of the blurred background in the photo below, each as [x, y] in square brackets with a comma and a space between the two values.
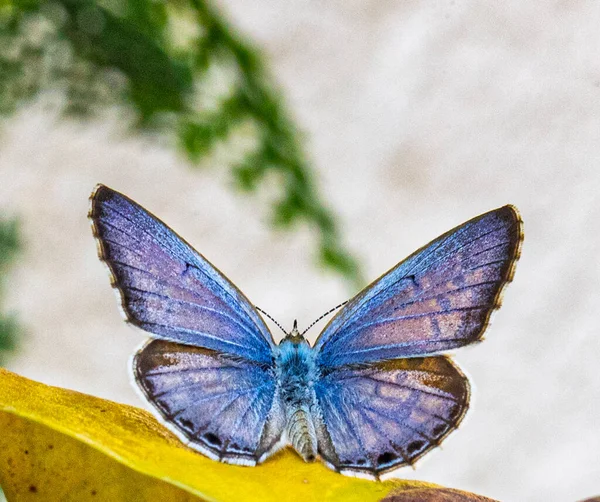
[305, 147]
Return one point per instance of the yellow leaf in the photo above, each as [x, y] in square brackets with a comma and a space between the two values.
[65, 445]
[39, 463]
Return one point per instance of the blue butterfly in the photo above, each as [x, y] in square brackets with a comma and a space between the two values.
[370, 396]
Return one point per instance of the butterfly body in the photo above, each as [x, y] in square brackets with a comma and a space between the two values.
[297, 374]
[374, 392]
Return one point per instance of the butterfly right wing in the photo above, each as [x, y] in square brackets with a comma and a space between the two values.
[224, 407]
[376, 418]
[439, 298]
[381, 404]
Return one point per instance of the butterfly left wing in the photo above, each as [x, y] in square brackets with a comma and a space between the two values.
[383, 416]
[168, 288]
[224, 407]
[210, 375]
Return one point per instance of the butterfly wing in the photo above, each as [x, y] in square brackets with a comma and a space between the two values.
[386, 415]
[210, 374]
[224, 407]
[439, 298]
[169, 289]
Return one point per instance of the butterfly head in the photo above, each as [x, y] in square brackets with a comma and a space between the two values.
[295, 335]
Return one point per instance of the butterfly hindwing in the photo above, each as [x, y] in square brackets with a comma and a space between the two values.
[169, 289]
[226, 408]
[386, 415]
[439, 298]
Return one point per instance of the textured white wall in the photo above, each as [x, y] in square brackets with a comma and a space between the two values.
[418, 116]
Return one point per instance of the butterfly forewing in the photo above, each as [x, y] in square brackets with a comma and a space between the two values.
[439, 298]
[386, 415]
[169, 289]
[226, 408]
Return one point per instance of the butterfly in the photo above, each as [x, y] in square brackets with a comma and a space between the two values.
[374, 393]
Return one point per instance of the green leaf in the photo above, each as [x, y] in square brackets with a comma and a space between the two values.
[70, 446]
[158, 83]
[9, 242]
[9, 334]
[184, 71]
[9, 248]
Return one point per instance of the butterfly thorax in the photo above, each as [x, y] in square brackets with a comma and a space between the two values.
[297, 373]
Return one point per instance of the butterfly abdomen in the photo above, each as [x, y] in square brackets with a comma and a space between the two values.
[301, 433]
[296, 372]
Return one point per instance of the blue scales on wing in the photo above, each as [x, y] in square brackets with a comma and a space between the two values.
[439, 298]
[386, 415]
[219, 405]
[168, 288]
[210, 374]
[382, 404]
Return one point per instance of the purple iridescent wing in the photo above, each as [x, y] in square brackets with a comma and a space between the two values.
[168, 288]
[225, 408]
[386, 415]
[439, 298]
[210, 375]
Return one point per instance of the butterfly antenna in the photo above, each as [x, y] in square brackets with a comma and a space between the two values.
[279, 325]
[325, 315]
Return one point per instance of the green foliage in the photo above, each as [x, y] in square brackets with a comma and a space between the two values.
[9, 247]
[183, 71]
